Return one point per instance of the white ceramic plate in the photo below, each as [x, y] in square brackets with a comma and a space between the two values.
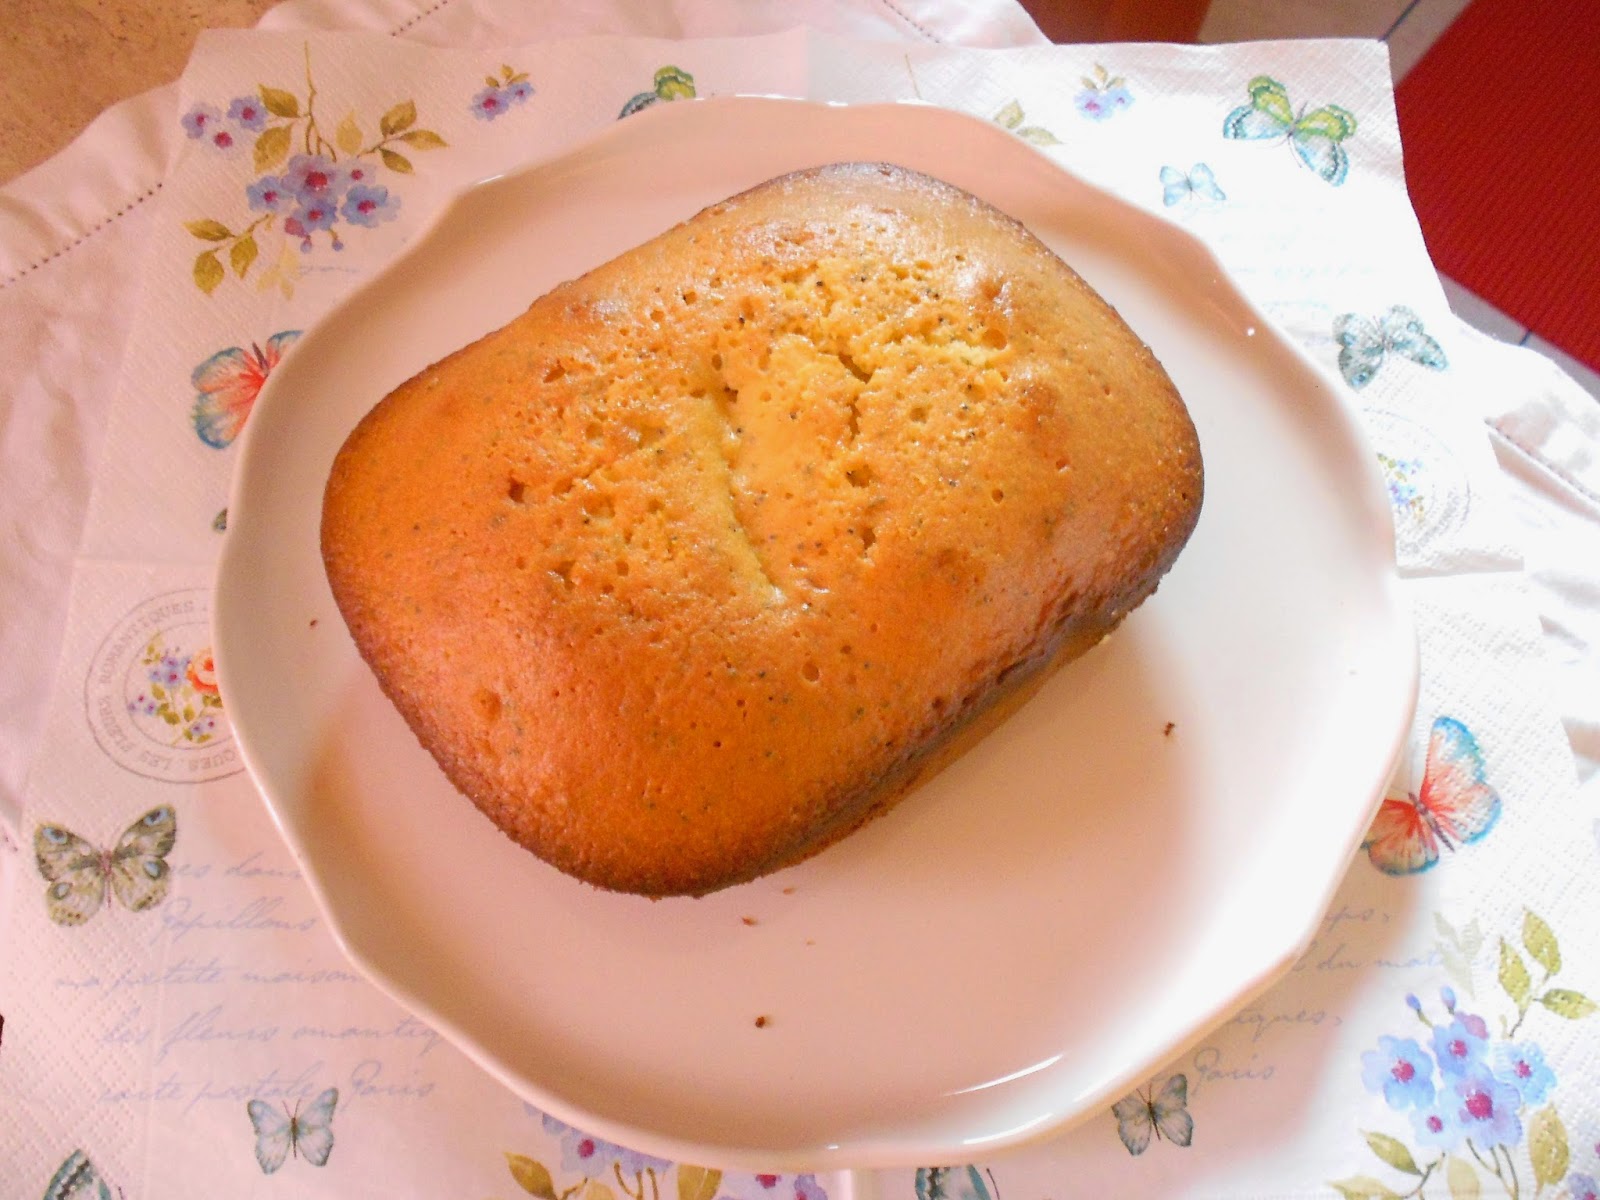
[1019, 942]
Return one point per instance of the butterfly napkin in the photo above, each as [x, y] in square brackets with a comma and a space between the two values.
[178, 1018]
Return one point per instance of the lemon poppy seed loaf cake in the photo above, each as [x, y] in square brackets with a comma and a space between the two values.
[682, 574]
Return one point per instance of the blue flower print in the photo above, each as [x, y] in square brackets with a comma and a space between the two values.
[1100, 106]
[1459, 1047]
[201, 121]
[358, 172]
[1436, 1123]
[1481, 1106]
[1103, 96]
[593, 1158]
[168, 671]
[368, 206]
[310, 218]
[739, 1186]
[249, 112]
[1487, 1109]
[1523, 1067]
[303, 168]
[509, 88]
[490, 103]
[1401, 1070]
[313, 178]
[268, 194]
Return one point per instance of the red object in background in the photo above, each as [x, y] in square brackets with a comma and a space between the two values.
[1068, 21]
[1500, 124]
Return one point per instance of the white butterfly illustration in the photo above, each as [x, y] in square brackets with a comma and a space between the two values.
[1164, 1113]
[78, 872]
[308, 1134]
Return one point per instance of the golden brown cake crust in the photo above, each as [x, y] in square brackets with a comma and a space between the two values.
[681, 573]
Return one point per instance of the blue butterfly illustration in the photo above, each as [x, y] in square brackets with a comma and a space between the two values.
[1364, 344]
[953, 1183]
[1164, 1113]
[308, 1134]
[77, 1179]
[1315, 136]
[1176, 186]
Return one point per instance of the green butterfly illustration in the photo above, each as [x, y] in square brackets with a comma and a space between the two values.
[1315, 136]
[78, 872]
[670, 84]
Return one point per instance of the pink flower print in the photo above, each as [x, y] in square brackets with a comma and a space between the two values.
[249, 112]
[200, 121]
[369, 205]
[202, 673]
[1487, 1110]
[490, 103]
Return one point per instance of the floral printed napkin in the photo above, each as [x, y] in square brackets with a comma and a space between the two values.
[178, 1019]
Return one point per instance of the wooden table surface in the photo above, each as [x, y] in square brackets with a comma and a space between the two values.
[62, 62]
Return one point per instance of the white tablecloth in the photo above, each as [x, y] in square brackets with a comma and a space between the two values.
[136, 306]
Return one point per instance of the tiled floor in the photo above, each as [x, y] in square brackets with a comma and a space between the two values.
[1409, 27]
